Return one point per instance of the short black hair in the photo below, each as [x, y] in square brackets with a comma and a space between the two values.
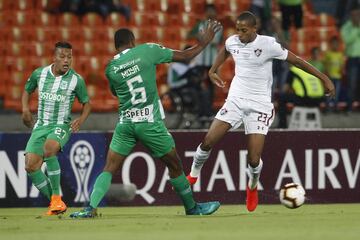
[63, 45]
[247, 16]
[122, 37]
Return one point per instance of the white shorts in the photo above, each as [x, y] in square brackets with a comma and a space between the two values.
[256, 116]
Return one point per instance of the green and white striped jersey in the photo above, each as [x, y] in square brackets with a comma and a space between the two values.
[56, 94]
[132, 76]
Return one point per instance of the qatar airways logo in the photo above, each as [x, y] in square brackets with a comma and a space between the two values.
[52, 97]
[321, 169]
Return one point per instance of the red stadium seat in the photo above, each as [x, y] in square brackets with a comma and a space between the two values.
[4, 78]
[45, 20]
[326, 20]
[168, 19]
[189, 19]
[36, 62]
[96, 34]
[175, 6]
[17, 5]
[195, 6]
[109, 49]
[68, 20]
[145, 34]
[222, 6]
[47, 34]
[116, 20]
[151, 5]
[71, 34]
[13, 97]
[140, 19]
[92, 20]
[173, 34]
[23, 18]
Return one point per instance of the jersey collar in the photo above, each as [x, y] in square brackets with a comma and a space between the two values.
[249, 43]
[121, 53]
[50, 70]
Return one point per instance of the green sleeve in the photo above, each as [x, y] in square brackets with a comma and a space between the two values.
[107, 74]
[81, 91]
[349, 34]
[158, 54]
[32, 82]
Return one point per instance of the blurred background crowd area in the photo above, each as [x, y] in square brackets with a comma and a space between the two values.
[29, 29]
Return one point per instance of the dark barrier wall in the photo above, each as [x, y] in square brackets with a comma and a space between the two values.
[326, 163]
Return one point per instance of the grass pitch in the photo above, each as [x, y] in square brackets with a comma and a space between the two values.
[331, 221]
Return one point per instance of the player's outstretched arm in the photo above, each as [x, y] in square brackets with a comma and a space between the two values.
[205, 38]
[220, 59]
[307, 67]
[26, 115]
[75, 125]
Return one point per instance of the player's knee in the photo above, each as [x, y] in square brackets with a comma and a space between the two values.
[49, 153]
[32, 166]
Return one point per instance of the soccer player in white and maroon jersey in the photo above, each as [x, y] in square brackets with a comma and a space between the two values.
[249, 98]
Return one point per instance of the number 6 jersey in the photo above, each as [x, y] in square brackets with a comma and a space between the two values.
[132, 78]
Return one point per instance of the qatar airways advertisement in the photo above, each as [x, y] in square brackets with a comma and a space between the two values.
[325, 163]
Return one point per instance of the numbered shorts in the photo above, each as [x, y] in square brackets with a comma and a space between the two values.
[154, 136]
[257, 117]
[59, 133]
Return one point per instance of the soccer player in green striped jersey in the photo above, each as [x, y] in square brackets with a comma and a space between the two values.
[132, 77]
[57, 85]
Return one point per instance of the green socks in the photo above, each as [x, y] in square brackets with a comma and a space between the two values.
[53, 172]
[182, 188]
[101, 186]
[41, 182]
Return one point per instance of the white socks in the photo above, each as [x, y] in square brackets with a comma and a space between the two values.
[199, 159]
[254, 175]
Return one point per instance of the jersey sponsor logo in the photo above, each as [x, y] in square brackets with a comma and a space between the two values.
[125, 65]
[258, 52]
[116, 69]
[52, 96]
[223, 111]
[138, 115]
[63, 85]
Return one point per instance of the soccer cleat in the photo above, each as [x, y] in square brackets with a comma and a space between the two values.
[87, 212]
[251, 199]
[57, 206]
[50, 213]
[192, 180]
[206, 208]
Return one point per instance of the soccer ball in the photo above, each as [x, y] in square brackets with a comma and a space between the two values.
[292, 195]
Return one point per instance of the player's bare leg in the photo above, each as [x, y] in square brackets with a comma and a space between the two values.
[182, 187]
[216, 132]
[114, 161]
[255, 148]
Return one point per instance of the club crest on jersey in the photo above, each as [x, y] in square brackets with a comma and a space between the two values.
[63, 85]
[223, 111]
[258, 52]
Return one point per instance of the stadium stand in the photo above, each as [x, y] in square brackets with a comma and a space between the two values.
[28, 33]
